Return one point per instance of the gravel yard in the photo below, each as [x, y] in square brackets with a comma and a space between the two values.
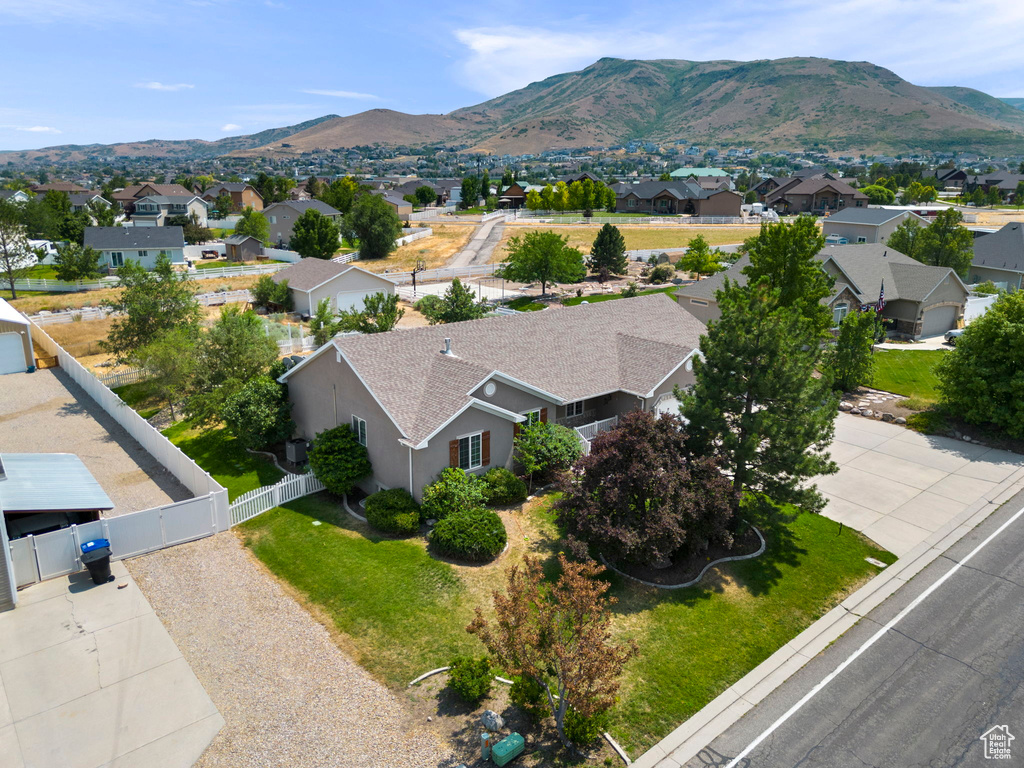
[290, 697]
[46, 412]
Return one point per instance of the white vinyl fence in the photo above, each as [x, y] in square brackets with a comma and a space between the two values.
[346, 258]
[121, 378]
[977, 305]
[444, 273]
[537, 217]
[417, 235]
[260, 500]
[100, 313]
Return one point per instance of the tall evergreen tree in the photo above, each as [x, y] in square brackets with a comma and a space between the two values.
[609, 251]
[485, 185]
[470, 192]
[756, 404]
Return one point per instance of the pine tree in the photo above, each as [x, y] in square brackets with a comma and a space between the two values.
[609, 251]
[485, 185]
[756, 403]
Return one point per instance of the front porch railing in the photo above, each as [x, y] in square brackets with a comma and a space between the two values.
[589, 431]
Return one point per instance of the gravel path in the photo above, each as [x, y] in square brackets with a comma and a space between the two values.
[47, 412]
[290, 697]
[480, 246]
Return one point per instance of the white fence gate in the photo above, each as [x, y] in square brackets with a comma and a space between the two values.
[259, 500]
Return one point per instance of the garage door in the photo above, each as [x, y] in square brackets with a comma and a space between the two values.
[939, 320]
[12, 353]
[352, 300]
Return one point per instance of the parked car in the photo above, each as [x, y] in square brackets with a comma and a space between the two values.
[952, 336]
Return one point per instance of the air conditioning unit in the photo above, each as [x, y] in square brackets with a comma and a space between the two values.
[295, 450]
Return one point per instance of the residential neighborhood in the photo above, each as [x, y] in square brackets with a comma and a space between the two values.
[518, 393]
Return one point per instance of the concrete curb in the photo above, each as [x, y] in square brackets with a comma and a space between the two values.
[676, 749]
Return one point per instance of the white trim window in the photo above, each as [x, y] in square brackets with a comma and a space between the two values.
[116, 259]
[532, 417]
[359, 430]
[574, 409]
[471, 450]
[143, 255]
[839, 313]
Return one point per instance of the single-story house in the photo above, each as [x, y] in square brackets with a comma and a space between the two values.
[154, 210]
[999, 257]
[403, 208]
[427, 398]
[514, 197]
[282, 216]
[242, 196]
[684, 172]
[867, 225]
[142, 244]
[921, 300]
[43, 492]
[243, 248]
[816, 195]
[675, 198]
[16, 355]
[345, 285]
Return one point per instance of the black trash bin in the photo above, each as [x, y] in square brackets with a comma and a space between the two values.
[96, 558]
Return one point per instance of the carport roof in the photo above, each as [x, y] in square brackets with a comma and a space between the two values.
[48, 482]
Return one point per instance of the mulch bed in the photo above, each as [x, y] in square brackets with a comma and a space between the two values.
[686, 568]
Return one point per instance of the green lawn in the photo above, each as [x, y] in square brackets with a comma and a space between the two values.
[612, 296]
[525, 304]
[220, 454]
[908, 372]
[42, 272]
[402, 613]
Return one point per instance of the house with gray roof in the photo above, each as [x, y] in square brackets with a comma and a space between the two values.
[282, 217]
[142, 244]
[427, 398]
[154, 210]
[242, 195]
[681, 197]
[818, 195]
[920, 300]
[346, 286]
[999, 257]
[867, 225]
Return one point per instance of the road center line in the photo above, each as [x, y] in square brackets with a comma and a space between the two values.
[871, 641]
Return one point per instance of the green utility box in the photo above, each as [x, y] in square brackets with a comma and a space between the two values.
[509, 748]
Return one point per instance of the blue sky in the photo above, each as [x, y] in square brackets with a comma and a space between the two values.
[84, 71]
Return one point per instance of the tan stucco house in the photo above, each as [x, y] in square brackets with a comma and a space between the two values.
[920, 300]
[427, 398]
[242, 196]
[999, 257]
[281, 217]
[346, 286]
[867, 225]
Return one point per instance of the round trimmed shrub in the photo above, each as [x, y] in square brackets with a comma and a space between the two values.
[453, 491]
[393, 511]
[472, 534]
[503, 487]
[470, 678]
[338, 460]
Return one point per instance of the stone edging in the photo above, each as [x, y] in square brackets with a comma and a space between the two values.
[718, 715]
[704, 570]
[344, 503]
[273, 458]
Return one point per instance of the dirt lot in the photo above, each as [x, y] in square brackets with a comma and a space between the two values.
[435, 250]
[636, 238]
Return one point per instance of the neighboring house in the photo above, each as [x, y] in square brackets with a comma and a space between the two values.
[401, 206]
[154, 210]
[243, 248]
[682, 173]
[920, 300]
[242, 196]
[999, 257]
[867, 225]
[951, 177]
[80, 200]
[126, 197]
[44, 492]
[514, 197]
[57, 186]
[14, 195]
[1005, 182]
[675, 198]
[16, 354]
[282, 216]
[427, 398]
[345, 285]
[142, 244]
[816, 195]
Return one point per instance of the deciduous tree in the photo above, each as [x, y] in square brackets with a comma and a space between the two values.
[254, 224]
[380, 313]
[314, 236]
[700, 259]
[338, 460]
[259, 413]
[470, 192]
[323, 324]
[906, 239]
[849, 360]
[16, 257]
[559, 636]
[545, 257]
[102, 215]
[76, 262]
[946, 243]
[457, 304]
[170, 360]
[375, 223]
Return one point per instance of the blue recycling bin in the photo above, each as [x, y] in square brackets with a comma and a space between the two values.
[89, 546]
[96, 559]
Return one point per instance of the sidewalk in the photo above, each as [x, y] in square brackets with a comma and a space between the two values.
[929, 343]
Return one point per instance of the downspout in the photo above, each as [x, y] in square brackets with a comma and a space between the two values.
[410, 471]
[334, 387]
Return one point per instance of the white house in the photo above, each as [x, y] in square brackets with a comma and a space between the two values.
[154, 210]
[346, 286]
[142, 244]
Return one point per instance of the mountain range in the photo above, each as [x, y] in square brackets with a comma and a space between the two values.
[793, 103]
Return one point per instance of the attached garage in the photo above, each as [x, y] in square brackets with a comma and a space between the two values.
[353, 300]
[15, 341]
[345, 286]
[939, 320]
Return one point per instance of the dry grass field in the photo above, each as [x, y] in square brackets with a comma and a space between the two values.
[636, 238]
[435, 251]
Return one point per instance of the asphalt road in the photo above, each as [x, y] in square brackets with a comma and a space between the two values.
[924, 693]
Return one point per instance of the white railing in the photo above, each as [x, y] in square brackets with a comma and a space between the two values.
[494, 215]
[72, 315]
[291, 346]
[588, 432]
[48, 285]
[346, 258]
[122, 378]
[445, 273]
[406, 239]
[532, 217]
[223, 297]
[499, 310]
[241, 271]
[260, 500]
[432, 213]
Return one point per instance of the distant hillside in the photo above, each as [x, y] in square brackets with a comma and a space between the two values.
[784, 103]
[1015, 103]
[182, 149]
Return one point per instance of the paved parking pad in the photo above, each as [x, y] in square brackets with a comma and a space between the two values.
[89, 678]
[897, 486]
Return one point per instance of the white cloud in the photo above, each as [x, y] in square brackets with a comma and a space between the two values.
[230, 127]
[343, 94]
[155, 86]
[30, 128]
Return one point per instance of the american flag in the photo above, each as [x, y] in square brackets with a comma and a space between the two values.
[881, 297]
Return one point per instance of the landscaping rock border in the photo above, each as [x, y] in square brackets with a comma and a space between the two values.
[704, 570]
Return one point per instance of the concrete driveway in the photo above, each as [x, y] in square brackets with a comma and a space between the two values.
[897, 486]
[89, 678]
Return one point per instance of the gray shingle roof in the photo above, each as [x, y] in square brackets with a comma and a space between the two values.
[1001, 250]
[301, 206]
[239, 239]
[874, 216]
[306, 274]
[571, 353]
[112, 238]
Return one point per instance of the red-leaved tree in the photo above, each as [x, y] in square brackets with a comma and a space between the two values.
[641, 497]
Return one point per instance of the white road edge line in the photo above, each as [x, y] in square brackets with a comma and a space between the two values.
[871, 641]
